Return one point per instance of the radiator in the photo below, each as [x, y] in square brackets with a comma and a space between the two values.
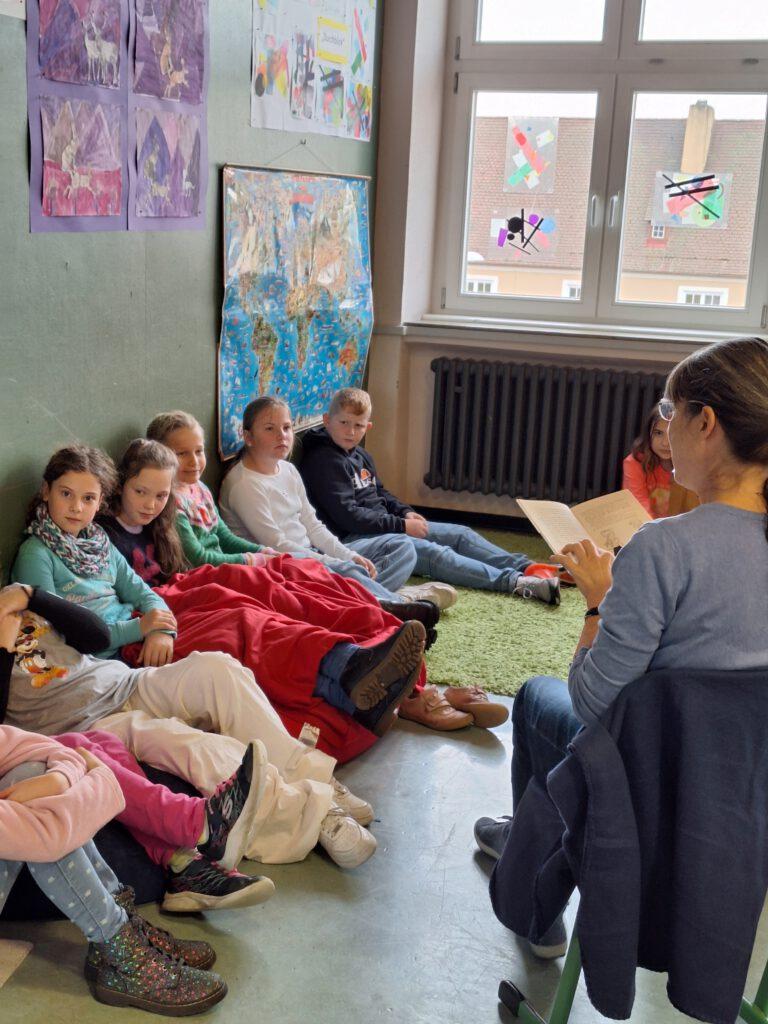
[537, 431]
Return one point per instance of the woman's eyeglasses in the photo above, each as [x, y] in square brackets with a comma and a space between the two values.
[667, 408]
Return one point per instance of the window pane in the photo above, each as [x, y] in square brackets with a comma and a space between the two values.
[547, 21]
[694, 169]
[528, 196]
[694, 20]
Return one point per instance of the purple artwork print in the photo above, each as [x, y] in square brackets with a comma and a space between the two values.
[168, 169]
[79, 42]
[82, 163]
[170, 49]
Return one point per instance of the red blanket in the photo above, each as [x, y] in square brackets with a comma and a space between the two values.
[280, 621]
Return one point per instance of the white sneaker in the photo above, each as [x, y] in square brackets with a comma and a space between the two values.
[344, 840]
[441, 594]
[352, 805]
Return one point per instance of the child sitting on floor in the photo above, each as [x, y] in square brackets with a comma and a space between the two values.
[647, 471]
[52, 802]
[341, 480]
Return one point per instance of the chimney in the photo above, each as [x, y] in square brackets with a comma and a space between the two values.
[698, 135]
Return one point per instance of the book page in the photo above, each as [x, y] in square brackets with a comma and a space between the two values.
[555, 522]
[611, 519]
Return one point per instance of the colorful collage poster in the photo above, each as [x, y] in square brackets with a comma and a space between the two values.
[117, 119]
[298, 305]
[313, 66]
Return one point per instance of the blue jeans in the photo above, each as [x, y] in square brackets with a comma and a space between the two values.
[458, 555]
[353, 571]
[543, 724]
[81, 884]
[392, 554]
[329, 672]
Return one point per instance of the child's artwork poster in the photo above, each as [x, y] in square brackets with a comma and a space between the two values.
[117, 121]
[531, 157]
[312, 66]
[298, 305]
[682, 200]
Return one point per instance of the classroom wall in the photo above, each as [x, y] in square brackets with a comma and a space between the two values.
[98, 332]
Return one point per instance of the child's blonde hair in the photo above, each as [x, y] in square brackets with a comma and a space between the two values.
[353, 400]
[165, 423]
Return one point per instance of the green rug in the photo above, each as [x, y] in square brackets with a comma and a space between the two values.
[498, 642]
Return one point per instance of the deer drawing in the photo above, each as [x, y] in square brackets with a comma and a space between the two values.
[102, 54]
[177, 77]
[76, 179]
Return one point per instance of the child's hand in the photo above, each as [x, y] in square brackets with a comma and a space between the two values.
[270, 552]
[158, 618]
[50, 784]
[14, 598]
[9, 630]
[156, 651]
[91, 761]
[415, 526]
[367, 564]
[590, 567]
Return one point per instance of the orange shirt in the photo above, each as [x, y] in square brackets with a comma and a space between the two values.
[651, 489]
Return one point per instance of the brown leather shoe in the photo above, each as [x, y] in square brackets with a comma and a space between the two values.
[474, 701]
[429, 707]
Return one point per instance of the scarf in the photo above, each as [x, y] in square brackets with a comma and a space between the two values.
[196, 502]
[85, 555]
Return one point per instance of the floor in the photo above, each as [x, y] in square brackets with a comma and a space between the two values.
[409, 938]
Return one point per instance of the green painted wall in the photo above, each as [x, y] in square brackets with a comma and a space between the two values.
[98, 332]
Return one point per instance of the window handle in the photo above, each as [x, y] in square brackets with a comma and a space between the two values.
[613, 205]
[594, 211]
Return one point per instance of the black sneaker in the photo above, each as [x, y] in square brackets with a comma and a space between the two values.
[491, 834]
[230, 812]
[204, 885]
[378, 678]
[425, 612]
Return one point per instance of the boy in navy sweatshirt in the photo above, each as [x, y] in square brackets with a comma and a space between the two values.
[343, 485]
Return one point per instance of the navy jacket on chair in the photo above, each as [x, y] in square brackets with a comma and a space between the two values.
[659, 814]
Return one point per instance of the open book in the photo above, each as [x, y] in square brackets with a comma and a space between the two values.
[609, 520]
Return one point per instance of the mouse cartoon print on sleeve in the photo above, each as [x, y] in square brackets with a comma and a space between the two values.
[31, 656]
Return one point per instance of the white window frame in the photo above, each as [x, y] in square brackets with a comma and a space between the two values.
[691, 289]
[580, 67]
[662, 228]
[450, 264]
[610, 310]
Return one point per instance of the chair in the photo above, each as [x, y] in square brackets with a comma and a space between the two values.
[510, 996]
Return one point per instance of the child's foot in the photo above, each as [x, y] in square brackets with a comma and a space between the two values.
[430, 708]
[474, 701]
[204, 885]
[189, 952]
[425, 612]
[232, 809]
[491, 834]
[378, 678]
[344, 840]
[133, 972]
[352, 805]
[534, 588]
[441, 594]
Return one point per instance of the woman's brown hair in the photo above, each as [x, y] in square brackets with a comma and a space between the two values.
[732, 378]
[142, 454]
[77, 458]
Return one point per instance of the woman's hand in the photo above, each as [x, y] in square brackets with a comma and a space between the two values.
[9, 630]
[14, 598]
[51, 784]
[156, 651]
[158, 618]
[590, 567]
[367, 564]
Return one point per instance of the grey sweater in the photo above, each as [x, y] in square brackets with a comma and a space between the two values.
[688, 592]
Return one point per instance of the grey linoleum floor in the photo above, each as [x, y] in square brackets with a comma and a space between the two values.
[409, 938]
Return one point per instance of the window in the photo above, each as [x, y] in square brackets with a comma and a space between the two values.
[565, 174]
[482, 285]
[571, 290]
[702, 297]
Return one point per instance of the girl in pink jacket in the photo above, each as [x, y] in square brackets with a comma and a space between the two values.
[52, 801]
